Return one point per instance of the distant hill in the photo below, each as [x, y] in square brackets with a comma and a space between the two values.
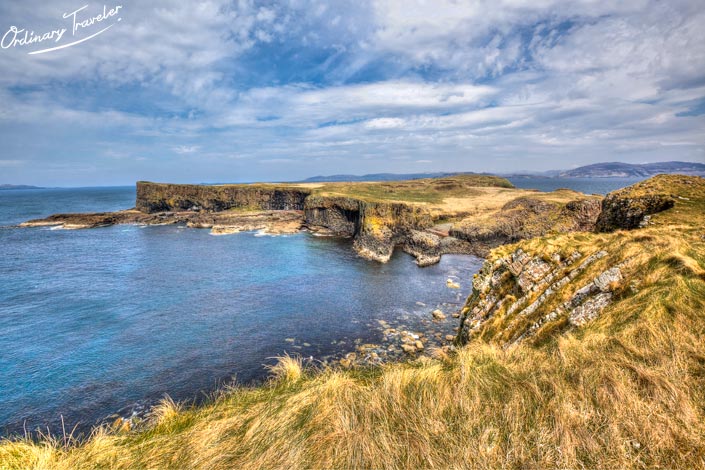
[18, 186]
[382, 177]
[627, 170]
[597, 170]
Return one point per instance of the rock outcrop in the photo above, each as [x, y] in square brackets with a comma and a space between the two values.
[521, 295]
[377, 227]
[527, 217]
[386, 225]
[624, 209]
[160, 197]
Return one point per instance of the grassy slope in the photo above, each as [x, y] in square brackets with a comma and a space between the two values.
[627, 391]
[429, 190]
[448, 199]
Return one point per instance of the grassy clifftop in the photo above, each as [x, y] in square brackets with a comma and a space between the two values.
[152, 197]
[427, 190]
[623, 390]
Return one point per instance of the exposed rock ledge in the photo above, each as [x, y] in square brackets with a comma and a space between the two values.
[532, 289]
[220, 223]
[522, 294]
[377, 227]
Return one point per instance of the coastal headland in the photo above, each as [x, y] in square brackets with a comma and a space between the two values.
[426, 217]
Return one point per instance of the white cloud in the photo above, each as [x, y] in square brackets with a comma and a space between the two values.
[11, 162]
[385, 123]
[184, 149]
[317, 87]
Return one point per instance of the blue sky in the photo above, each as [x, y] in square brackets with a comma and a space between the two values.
[281, 90]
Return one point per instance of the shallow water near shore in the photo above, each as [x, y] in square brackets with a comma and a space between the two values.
[99, 320]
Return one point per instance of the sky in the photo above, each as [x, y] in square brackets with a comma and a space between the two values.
[241, 91]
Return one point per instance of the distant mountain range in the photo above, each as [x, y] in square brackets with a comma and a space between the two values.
[627, 170]
[18, 186]
[382, 177]
[597, 170]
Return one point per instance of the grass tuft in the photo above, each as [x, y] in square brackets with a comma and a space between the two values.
[287, 369]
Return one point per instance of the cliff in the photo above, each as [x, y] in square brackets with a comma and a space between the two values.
[533, 289]
[426, 217]
[382, 216]
[377, 227]
[159, 197]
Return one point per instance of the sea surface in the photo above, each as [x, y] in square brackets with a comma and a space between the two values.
[94, 322]
[583, 185]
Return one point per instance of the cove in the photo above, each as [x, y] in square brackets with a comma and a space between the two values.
[111, 319]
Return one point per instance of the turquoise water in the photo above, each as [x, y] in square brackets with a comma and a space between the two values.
[96, 321]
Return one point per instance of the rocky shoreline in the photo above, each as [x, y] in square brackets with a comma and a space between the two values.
[404, 338]
[376, 226]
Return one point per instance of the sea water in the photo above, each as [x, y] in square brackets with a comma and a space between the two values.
[95, 321]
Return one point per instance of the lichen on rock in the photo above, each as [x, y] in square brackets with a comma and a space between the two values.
[517, 294]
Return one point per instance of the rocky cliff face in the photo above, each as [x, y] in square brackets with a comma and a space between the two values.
[624, 210]
[340, 215]
[385, 225]
[527, 217]
[157, 197]
[376, 226]
[525, 295]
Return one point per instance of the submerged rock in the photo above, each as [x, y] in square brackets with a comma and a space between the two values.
[438, 315]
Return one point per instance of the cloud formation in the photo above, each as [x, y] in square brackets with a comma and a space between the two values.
[245, 90]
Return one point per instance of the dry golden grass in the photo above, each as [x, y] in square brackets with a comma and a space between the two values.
[431, 191]
[626, 391]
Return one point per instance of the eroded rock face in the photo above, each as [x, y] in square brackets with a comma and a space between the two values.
[519, 294]
[525, 218]
[622, 210]
[377, 227]
[340, 215]
[383, 226]
[158, 197]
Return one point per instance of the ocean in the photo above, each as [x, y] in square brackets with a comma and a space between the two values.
[110, 320]
[583, 185]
